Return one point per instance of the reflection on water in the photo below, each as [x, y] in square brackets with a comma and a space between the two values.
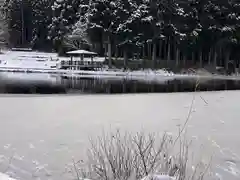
[29, 83]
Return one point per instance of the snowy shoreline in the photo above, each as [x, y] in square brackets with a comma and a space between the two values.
[37, 62]
[148, 74]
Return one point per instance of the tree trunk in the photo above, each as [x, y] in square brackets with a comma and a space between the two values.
[154, 55]
[215, 58]
[138, 55]
[177, 57]
[193, 58]
[209, 56]
[143, 56]
[160, 49]
[125, 58]
[109, 52]
[184, 60]
[149, 50]
[200, 59]
[116, 53]
[143, 52]
[226, 59]
[169, 50]
[165, 52]
[23, 24]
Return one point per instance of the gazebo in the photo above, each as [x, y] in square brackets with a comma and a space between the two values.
[82, 60]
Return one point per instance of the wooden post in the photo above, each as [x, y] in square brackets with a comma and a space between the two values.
[82, 60]
[92, 62]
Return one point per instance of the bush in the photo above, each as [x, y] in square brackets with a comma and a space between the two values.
[118, 156]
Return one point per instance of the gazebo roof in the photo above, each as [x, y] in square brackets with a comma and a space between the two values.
[82, 52]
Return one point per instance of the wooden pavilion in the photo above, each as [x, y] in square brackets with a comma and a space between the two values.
[82, 60]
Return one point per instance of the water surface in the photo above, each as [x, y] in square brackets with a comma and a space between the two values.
[34, 83]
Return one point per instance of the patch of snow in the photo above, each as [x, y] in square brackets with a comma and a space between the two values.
[27, 64]
[7, 146]
[5, 177]
[31, 146]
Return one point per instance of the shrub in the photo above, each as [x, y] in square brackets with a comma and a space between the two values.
[119, 156]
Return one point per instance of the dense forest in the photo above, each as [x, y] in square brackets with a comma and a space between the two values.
[195, 32]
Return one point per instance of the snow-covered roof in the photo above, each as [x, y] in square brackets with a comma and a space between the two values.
[82, 52]
[95, 59]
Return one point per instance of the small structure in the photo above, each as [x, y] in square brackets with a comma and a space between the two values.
[82, 60]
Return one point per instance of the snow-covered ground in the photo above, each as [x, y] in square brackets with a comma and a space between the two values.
[27, 60]
[5, 177]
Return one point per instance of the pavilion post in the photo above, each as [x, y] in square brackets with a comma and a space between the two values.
[71, 63]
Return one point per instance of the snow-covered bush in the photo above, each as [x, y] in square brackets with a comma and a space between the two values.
[118, 156]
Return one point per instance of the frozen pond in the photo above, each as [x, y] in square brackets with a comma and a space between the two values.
[42, 134]
[46, 132]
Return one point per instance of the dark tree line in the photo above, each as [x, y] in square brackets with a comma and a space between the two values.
[186, 31]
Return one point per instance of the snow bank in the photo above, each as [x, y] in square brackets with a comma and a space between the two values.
[10, 55]
[21, 59]
[26, 64]
[5, 177]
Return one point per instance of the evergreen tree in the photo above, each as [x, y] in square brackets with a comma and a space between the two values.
[4, 35]
[42, 17]
[202, 31]
[19, 20]
[65, 15]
